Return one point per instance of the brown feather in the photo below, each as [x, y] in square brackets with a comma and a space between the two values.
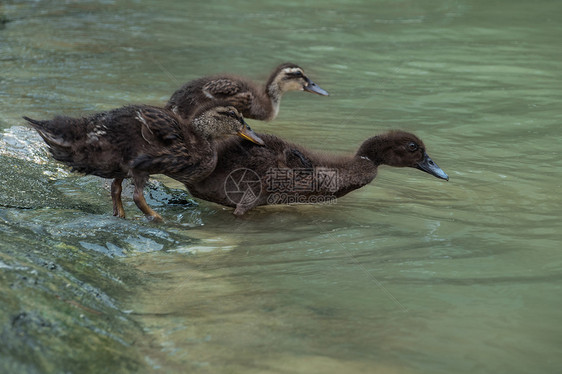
[303, 169]
[137, 141]
[252, 100]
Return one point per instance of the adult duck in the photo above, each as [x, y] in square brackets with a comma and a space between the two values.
[247, 176]
[137, 141]
[253, 101]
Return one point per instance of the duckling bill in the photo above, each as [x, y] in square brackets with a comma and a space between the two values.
[431, 167]
[261, 103]
[137, 141]
[309, 170]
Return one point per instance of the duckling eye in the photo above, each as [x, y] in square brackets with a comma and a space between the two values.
[412, 147]
[295, 74]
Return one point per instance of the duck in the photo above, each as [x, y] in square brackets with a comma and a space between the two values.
[253, 101]
[137, 141]
[281, 172]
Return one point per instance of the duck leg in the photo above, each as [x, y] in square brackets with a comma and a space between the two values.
[138, 197]
[241, 209]
[116, 189]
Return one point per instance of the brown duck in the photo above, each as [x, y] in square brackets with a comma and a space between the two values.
[279, 173]
[137, 141]
[261, 103]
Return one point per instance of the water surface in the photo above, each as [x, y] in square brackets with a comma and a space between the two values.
[407, 275]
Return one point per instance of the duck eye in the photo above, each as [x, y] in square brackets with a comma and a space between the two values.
[413, 146]
[294, 74]
[231, 113]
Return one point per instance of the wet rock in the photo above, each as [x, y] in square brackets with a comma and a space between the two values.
[60, 313]
[23, 186]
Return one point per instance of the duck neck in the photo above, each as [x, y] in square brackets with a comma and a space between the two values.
[350, 174]
[201, 136]
[274, 93]
[203, 128]
[374, 150]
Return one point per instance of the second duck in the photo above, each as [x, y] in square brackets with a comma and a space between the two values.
[261, 103]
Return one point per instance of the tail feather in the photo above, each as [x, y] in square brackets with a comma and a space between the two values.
[50, 138]
[35, 123]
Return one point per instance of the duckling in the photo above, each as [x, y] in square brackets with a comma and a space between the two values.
[252, 101]
[139, 140]
[247, 176]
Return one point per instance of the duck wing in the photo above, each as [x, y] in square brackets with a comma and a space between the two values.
[235, 92]
[158, 126]
[222, 87]
[295, 158]
[173, 149]
[177, 162]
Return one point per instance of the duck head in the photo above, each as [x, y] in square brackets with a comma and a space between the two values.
[291, 77]
[222, 120]
[400, 149]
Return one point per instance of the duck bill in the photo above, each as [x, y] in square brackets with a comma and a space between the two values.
[314, 88]
[431, 167]
[248, 134]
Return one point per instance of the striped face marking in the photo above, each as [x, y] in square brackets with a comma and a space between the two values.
[293, 73]
[292, 79]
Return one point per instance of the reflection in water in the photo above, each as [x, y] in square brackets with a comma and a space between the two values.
[407, 275]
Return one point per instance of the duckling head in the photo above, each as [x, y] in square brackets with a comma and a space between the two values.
[291, 77]
[221, 120]
[400, 149]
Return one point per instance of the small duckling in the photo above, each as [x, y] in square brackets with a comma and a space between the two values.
[139, 140]
[261, 103]
[247, 176]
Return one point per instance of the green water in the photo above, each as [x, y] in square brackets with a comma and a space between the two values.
[409, 274]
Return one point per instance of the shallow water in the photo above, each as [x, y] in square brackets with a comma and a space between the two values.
[409, 274]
